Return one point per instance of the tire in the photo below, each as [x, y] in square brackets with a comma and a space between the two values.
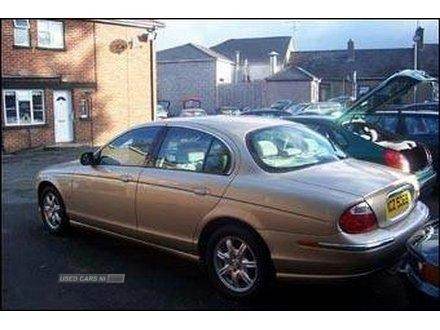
[233, 283]
[53, 215]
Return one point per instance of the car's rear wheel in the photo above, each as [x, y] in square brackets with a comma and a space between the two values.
[53, 212]
[237, 262]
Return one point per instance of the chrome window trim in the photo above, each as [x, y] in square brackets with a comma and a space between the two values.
[358, 247]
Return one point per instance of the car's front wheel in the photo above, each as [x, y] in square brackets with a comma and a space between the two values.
[53, 212]
[237, 262]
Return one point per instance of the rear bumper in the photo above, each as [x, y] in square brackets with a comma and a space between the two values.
[340, 256]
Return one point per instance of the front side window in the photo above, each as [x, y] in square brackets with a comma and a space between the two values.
[287, 148]
[23, 107]
[21, 32]
[131, 149]
[50, 34]
[192, 150]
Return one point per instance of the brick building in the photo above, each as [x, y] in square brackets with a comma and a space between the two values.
[77, 81]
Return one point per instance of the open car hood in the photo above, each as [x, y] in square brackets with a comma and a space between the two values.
[393, 87]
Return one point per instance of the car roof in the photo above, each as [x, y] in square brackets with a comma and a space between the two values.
[311, 118]
[236, 125]
[406, 112]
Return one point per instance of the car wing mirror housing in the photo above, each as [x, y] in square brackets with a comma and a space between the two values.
[88, 158]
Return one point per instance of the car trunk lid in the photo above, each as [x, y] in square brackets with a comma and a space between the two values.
[389, 90]
[374, 183]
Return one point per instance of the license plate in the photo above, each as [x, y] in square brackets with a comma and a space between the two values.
[398, 204]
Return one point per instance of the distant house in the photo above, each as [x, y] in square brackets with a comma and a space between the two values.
[336, 68]
[189, 72]
[257, 58]
[292, 83]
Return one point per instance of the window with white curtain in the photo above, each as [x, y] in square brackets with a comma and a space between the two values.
[50, 34]
[23, 107]
[21, 32]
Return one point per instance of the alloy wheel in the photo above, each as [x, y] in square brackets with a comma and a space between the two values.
[52, 210]
[235, 264]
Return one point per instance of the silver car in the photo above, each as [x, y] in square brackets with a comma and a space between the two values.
[250, 198]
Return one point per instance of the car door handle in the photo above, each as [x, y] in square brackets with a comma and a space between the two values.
[201, 191]
[126, 177]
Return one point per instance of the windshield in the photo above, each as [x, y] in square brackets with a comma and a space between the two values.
[286, 148]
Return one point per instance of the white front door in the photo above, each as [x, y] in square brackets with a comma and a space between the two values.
[63, 117]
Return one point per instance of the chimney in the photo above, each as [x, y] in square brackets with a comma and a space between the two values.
[246, 76]
[273, 66]
[237, 66]
[350, 50]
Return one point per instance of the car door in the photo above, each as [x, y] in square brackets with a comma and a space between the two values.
[104, 194]
[191, 172]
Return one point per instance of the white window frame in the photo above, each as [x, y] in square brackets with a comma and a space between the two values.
[85, 106]
[27, 28]
[40, 24]
[17, 112]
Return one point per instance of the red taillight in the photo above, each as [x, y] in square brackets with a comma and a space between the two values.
[358, 219]
[429, 273]
[395, 159]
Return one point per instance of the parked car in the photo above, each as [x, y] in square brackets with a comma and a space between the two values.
[426, 106]
[191, 103]
[363, 140]
[193, 112]
[296, 108]
[334, 109]
[419, 125]
[421, 264]
[161, 112]
[282, 104]
[229, 111]
[249, 197]
[344, 100]
[265, 112]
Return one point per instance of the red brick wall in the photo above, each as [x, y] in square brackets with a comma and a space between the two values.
[125, 92]
[75, 63]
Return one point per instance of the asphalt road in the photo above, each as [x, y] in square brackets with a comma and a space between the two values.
[32, 260]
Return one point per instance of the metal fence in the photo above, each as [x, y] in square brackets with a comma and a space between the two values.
[246, 94]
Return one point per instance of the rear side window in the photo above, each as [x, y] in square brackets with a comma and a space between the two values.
[218, 160]
[421, 125]
[192, 150]
[388, 123]
[131, 149]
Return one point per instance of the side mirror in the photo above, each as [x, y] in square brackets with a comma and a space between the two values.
[87, 159]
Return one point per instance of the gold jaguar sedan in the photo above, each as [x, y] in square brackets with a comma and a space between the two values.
[251, 198]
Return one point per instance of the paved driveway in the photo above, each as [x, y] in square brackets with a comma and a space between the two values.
[32, 260]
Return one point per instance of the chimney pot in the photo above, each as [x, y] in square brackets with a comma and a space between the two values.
[273, 66]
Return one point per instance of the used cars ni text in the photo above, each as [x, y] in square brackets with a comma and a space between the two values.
[249, 197]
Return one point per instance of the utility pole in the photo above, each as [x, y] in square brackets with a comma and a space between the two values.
[418, 44]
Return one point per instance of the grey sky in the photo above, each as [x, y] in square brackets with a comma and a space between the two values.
[311, 34]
